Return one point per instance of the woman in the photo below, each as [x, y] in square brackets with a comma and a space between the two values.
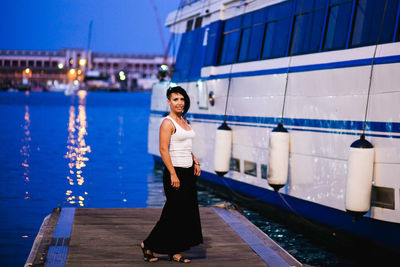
[179, 226]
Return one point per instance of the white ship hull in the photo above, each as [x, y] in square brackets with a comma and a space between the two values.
[324, 112]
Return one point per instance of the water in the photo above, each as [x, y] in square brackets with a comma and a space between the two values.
[90, 150]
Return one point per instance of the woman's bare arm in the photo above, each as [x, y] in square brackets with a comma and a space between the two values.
[197, 169]
[166, 130]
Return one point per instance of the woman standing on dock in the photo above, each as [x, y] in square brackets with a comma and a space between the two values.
[178, 228]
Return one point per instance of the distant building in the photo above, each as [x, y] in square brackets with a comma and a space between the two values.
[35, 70]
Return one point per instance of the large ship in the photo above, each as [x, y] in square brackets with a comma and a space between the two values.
[306, 94]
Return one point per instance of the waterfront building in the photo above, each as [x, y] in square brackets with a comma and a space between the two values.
[49, 70]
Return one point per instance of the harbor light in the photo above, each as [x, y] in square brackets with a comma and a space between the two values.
[60, 66]
[82, 62]
[122, 76]
[162, 72]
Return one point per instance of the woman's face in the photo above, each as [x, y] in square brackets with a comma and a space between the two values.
[176, 102]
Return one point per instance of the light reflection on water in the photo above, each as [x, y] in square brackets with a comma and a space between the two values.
[76, 151]
[26, 149]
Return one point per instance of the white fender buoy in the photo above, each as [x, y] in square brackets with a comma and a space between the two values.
[222, 153]
[278, 157]
[360, 169]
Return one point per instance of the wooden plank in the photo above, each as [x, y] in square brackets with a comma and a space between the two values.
[111, 237]
[265, 247]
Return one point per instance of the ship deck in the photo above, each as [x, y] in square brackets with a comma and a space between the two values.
[111, 237]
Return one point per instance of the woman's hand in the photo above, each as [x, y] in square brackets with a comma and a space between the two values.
[197, 170]
[175, 183]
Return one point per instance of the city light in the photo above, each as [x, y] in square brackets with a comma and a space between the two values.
[164, 67]
[122, 76]
[72, 71]
[27, 70]
[60, 66]
[82, 62]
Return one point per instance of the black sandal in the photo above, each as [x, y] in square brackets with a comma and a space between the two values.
[181, 259]
[147, 256]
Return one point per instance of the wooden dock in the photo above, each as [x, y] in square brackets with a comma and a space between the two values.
[111, 237]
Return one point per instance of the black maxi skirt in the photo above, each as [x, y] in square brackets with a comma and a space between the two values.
[179, 227]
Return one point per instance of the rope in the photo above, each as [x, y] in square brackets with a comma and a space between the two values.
[290, 62]
[229, 87]
[230, 71]
[372, 67]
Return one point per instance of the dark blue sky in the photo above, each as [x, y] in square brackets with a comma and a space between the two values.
[121, 26]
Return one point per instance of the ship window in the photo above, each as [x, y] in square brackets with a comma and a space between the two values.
[277, 31]
[264, 171]
[307, 27]
[235, 165]
[198, 22]
[38, 63]
[15, 63]
[368, 20]
[182, 66]
[6, 63]
[244, 44]
[337, 24]
[257, 34]
[212, 43]
[382, 197]
[230, 41]
[189, 25]
[30, 63]
[398, 32]
[250, 168]
[252, 34]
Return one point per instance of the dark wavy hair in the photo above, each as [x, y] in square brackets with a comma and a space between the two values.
[180, 90]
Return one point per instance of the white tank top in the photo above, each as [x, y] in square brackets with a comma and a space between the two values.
[180, 146]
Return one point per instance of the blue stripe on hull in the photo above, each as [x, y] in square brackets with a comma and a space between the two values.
[384, 232]
[327, 126]
[313, 67]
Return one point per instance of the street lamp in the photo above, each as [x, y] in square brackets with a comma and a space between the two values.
[82, 62]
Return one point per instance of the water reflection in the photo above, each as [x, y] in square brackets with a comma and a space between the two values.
[76, 151]
[26, 148]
